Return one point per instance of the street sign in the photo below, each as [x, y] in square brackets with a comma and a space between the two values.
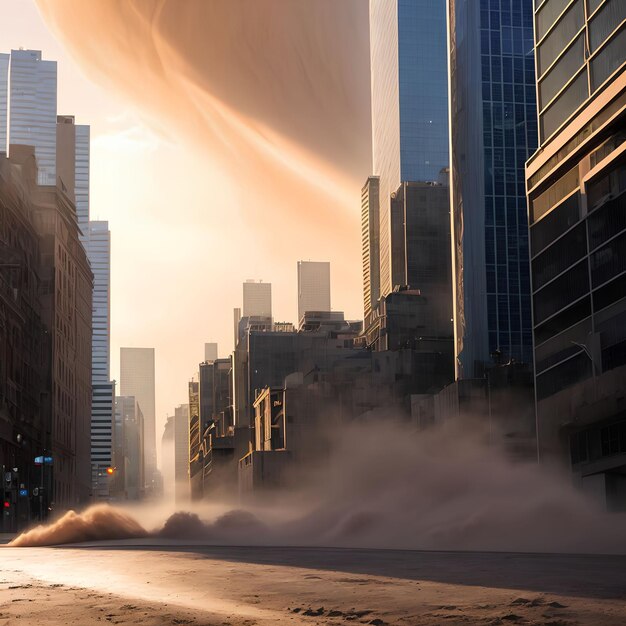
[24, 493]
[43, 460]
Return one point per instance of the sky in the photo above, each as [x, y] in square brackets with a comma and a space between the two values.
[229, 140]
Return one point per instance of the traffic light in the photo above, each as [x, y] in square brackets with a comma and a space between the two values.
[7, 504]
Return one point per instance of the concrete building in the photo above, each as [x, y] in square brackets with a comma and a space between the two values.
[576, 185]
[167, 460]
[66, 294]
[25, 353]
[257, 299]
[28, 108]
[181, 453]
[194, 438]
[72, 166]
[313, 287]
[129, 480]
[137, 380]
[370, 228]
[210, 351]
[409, 103]
[493, 130]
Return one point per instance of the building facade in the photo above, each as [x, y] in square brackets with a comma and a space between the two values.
[30, 116]
[128, 481]
[313, 287]
[409, 103]
[493, 130]
[137, 379]
[257, 299]
[370, 227]
[25, 353]
[576, 187]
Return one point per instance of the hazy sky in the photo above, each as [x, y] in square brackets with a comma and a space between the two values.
[230, 139]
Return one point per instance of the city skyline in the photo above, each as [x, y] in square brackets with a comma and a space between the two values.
[122, 134]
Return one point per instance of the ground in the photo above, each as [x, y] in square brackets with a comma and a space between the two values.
[156, 582]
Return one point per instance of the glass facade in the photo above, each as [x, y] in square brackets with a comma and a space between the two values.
[4, 100]
[81, 178]
[580, 45]
[494, 131]
[33, 109]
[409, 103]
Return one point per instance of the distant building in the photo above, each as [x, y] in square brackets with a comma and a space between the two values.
[181, 453]
[313, 287]
[257, 299]
[409, 104]
[167, 459]
[493, 118]
[28, 108]
[210, 351]
[370, 228]
[576, 186]
[72, 166]
[137, 379]
[129, 480]
[194, 438]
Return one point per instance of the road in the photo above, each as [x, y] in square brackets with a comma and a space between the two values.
[157, 582]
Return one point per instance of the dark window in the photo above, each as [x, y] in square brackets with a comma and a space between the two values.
[559, 293]
[567, 102]
[555, 223]
[562, 321]
[560, 36]
[554, 194]
[547, 14]
[608, 261]
[609, 59]
[609, 184]
[562, 376]
[606, 20]
[559, 256]
[562, 72]
[610, 293]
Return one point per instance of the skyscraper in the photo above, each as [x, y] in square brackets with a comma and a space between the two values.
[31, 87]
[137, 379]
[577, 206]
[210, 352]
[370, 228]
[257, 299]
[72, 166]
[4, 101]
[409, 103]
[313, 287]
[493, 130]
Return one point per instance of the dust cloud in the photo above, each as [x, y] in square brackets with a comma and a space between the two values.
[97, 522]
[276, 92]
[443, 489]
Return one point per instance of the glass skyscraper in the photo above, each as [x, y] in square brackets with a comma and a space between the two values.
[493, 122]
[409, 103]
[31, 87]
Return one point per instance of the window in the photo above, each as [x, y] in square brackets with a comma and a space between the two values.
[609, 59]
[561, 109]
[562, 72]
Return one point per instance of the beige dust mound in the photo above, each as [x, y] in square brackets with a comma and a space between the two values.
[95, 523]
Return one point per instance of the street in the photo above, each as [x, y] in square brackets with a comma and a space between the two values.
[157, 582]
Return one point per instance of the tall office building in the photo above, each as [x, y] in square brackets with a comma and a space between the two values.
[181, 453]
[210, 352]
[257, 299]
[98, 244]
[576, 187]
[28, 108]
[370, 227]
[72, 167]
[129, 480]
[99, 253]
[313, 287]
[493, 130]
[137, 379]
[4, 101]
[409, 103]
